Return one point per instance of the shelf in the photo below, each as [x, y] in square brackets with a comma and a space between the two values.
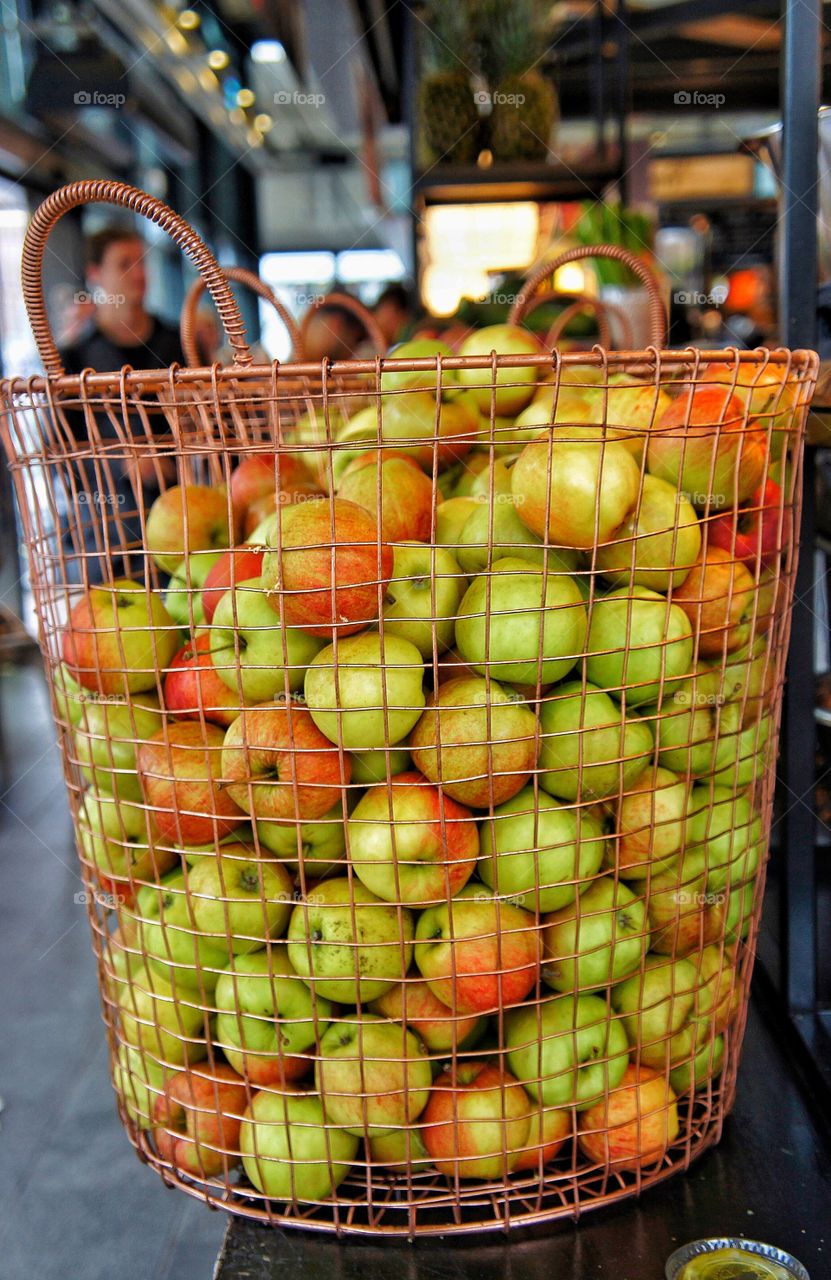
[465, 184]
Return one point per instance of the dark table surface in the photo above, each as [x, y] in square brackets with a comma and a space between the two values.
[769, 1179]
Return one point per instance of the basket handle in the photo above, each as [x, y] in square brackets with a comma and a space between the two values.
[603, 311]
[362, 313]
[102, 191]
[240, 275]
[657, 314]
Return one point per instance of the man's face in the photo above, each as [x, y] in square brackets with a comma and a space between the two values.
[120, 276]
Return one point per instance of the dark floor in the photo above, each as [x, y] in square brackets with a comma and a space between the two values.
[77, 1205]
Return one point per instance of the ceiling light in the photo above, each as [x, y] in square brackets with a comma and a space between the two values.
[267, 51]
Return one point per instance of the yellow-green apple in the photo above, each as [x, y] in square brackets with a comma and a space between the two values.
[240, 901]
[118, 639]
[771, 588]
[738, 911]
[521, 624]
[366, 691]
[451, 517]
[588, 750]
[747, 677]
[477, 953]
[494, 531]
[658, 542]
[186, 518]
[183, 598]
[180, 770]
[378, 765]
[318, 847]
[489, 482]
[410, 843]
[253, 655]
[701, 445]
[758, 532]
[416, 425]
[633, 1127]
[654, 1005]
[402, 1150]
[652, 824]
[347, 944]
[327, 567]
[574, 493]
[262, 476]
[399, 499]
[115, 837]
[598, 939]
[198, 1119]
[509, 389]
[155, 1019]
[267, 1021]
[69, 696]
[477, 1122]
[717, 1002]
[106, 740]
[476, 740]
[138, 1080]
[550, 1129]
[373, 1076]
[537, 850]
[423, 596]
[417, 379]
[167, 934]
[722, 826]
[240, 564]
[413, 1003]
[743, 756]
[684, 722]
[278, 766]
[684, 915]
[638, 642]
[567, 1051]
[467, 476]
[705, 1066]
[193, 688]
[288, 1150]
[718, 597]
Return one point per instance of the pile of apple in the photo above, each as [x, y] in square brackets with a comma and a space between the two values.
[424, 798]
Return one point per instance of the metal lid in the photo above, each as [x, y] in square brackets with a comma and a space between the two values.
[696, 1248]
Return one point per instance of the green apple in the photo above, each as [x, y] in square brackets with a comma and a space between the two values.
[318, 847]
[70, 696]
[155, 1020]
[654, 1005]
[347, 944]
[575, 492]
[510, 389]
[366, 691]
[422, 597]
[119, 638]
[106, 739]
[705, 1066]
[417, 379]
[373, 1076]
[652, 824]
[489, 482]
[494, 531]
[520, 627]
[599, 939]
[684, 723]
[370, 767]
[138, 1081]
[747, 677]
[721, 828]
[639, 642]
[183, 598]
[412, 422]
[567, 1051]
[467, 474]
[739, 909]
[288, 1150]
[537, 850]
[252, 652]
[588, 750]
[658, 542]
[402, 1151]
[743, 756]
[114, 836]
[451, 516]
[168, 935]
[239, 901]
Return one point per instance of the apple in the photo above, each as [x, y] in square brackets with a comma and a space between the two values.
[266, 475]
[186, 518]
[718, 597]
[183, 598]
[193, 688]
[417, 379]
[638, 643]
[738, 911]
[721, 828]
[318, 847]
[633, 1127]
[718, 997]
[237, 565]
[423, 597]
[366, 691]
[400, 1151]
[409, 843]
[684, 723]
[654, 1005]
[69, 696]
[705, 1066]
[278, 766]
[652, 824]
[114, 836]
[575, 493]
[476, 953]
[167, 935]
[683, 913]
[413, 1003]
[118, 638]
[198, 1119]
[416, 425]
[567, 1051]
[268, 1023]
[494, 531]
[373, 1076]
[106, 741]
[254, 656]
[327, 567]
[701, 445]
[378, 765]
[394, 490]
[476, 740]
[157, 1021]
[347, 944]
[288, 1150]
[520, 624]
[451, 517]
[477, 1121]
[508, 389]
[758, 533]
[658, 542]
[239, 900]
[743, 756]
[588, 750]
[538, 850]
[550, 1129]
[180, 771]
[747, 676]
[467, 475]
[138, 1081]
[598, 939]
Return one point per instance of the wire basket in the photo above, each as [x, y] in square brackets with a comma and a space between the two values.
[423, 836]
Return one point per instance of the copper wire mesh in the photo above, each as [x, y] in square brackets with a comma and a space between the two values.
[431, 887]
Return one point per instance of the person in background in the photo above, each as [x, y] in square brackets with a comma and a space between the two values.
[333, 331]
[394, 312]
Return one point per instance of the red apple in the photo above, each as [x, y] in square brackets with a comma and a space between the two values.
[118, 637]
[701, 445]
[476, 1122]
[329, 568]
[238, 565]
[278, 765]
[718, 597]
[264, 475]
[193, 688]
[413, 1003]
[180, 774]
[405, 500]
[633, 1127]
[192, 517]
[550, 1129]
[198, 1120]
[758, 532]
